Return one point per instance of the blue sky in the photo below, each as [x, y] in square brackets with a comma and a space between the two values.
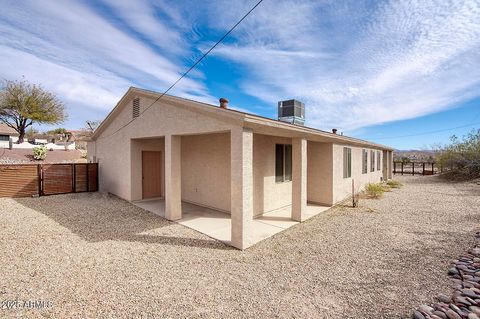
[379, 70]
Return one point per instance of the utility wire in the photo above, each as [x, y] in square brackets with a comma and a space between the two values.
[426, 133]
[190, 69]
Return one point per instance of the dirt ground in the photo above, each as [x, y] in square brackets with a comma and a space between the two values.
[97, 256]
[18, 156]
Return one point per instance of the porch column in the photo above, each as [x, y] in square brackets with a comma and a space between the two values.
[173, 178]
[390, 164]
[241, 187]
[299, 179]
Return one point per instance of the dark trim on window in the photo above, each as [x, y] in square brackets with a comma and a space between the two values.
[347, 162]
[283, 163]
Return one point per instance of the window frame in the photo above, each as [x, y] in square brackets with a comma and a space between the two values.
[286, 163]
[347, 162]
[364, 161]
[379, 160]
[372, 161]
[4, 137]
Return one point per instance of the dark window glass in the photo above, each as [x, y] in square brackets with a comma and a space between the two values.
[279, 162]
[364, 161]
[347, 162]
[4, 137]
[288, 162]
[372, 161]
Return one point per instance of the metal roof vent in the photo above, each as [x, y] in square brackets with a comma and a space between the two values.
[291, 111]
[136, 107]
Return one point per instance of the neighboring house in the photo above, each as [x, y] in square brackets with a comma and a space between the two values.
[6, 134]
[80, 137]
[235, 162]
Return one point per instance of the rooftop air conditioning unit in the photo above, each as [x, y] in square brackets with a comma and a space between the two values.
[291, 111]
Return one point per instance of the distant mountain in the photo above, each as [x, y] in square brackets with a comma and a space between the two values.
[414, 155]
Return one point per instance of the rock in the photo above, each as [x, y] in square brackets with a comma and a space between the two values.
[470, 293]
[475, 309]
[444, 298]
[425, 309]
[452, 314]
[453, 271]
[462, 300]
[417, 315]
[440, 314]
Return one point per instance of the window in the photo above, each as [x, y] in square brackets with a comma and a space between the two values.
[136, 107]
[364, 161]
[347, 162]
[379, 159]
[372, 161]
[4, 138]
[283, 162]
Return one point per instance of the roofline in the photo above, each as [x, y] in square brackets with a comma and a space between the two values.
[247, 117]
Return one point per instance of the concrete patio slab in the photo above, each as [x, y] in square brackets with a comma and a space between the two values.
[217, 224]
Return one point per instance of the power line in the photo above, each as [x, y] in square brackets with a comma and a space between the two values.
[190, 69]
[426, 133]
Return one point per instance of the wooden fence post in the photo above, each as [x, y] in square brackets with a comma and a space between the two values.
[423, 169]
[433, 169]
[413, 168]
[39, 174]
[402, 168]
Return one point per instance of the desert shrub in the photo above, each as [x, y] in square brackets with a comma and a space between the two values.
[374, 190]
[39, 152]
[462, 154]
[393, 183]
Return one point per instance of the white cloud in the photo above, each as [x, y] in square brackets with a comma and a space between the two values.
[82, 56]
[353, 63]
[356, 65]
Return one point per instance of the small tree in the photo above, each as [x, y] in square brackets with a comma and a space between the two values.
[462, 154]
[22, 104]
[39, 153]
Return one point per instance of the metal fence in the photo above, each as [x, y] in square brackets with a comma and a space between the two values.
[27, 180]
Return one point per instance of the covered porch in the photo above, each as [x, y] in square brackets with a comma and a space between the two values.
[217, 224]
[228, 185]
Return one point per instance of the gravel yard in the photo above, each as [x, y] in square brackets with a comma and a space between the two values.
[96, 256]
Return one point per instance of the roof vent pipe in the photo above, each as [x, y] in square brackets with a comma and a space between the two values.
[223, 103]
[334, 130]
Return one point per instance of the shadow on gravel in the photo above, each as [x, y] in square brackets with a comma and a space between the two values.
[96, 217]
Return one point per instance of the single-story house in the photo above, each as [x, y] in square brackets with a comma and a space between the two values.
[234, 162]
[6, 134]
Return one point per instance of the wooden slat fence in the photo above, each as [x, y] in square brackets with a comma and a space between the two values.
[27, 180]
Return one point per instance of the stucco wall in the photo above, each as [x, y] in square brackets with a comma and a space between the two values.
[206, 170]
[342, 187]
[137, 146]
[320, 173]
[112, 147]
[268, 195]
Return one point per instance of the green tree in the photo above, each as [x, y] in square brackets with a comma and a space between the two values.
[22, 104]
[462, 153]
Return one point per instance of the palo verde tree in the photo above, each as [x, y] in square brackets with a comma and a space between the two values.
[22, 104]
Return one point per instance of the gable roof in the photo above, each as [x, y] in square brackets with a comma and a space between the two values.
[7, 130]
[249, 118]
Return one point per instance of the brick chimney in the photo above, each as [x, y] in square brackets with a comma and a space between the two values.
[223, 103]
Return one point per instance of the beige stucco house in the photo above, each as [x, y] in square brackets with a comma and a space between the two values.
[237, 163]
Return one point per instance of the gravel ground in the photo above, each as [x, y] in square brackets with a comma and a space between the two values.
[96, 256]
